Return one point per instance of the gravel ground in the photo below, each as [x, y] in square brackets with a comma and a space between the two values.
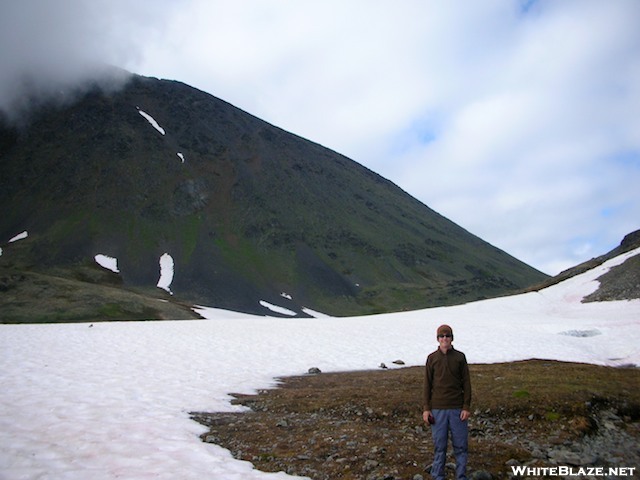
[367, 425]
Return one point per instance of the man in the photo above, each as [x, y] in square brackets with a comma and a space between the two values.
[447, 403]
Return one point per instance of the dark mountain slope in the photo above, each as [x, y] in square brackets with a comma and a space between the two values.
[251, 212]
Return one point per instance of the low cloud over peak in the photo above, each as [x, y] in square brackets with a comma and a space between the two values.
[53, 50]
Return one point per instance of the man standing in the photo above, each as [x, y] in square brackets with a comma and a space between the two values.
[447, 403]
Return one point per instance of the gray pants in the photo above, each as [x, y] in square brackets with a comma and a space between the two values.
[449, 421]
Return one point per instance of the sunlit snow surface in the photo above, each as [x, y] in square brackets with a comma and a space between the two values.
[111, 400]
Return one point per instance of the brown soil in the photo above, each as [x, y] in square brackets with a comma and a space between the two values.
[368, 425]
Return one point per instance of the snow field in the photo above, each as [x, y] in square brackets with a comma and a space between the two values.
[112, 400]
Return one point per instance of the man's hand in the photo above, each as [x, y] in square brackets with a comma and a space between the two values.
[464, 415]
[425, 415]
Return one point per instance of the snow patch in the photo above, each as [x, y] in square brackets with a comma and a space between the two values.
[277, 309]
[166, 272]
[286, 295]
[314, 313]
[20, 236]
[151, 120]
[181, 156]
[107, 262]
[211, 313]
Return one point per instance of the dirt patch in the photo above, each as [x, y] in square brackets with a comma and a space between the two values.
[367, 425]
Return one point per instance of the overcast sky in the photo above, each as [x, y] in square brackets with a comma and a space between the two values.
[518, 120]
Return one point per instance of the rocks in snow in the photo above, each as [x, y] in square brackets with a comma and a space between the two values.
[582, 333]
[395, 362]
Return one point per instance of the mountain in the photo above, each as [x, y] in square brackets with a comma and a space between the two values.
[251, 216]
[620, 283]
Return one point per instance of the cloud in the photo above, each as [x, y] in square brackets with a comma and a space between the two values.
[531, 157]
[51, 49]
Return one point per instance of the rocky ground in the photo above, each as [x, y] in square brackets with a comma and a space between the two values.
[367, 425]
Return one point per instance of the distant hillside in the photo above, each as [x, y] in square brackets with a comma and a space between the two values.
[620, 283]
[247, 212]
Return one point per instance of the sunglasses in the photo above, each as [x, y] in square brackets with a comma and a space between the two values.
[443, 335]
